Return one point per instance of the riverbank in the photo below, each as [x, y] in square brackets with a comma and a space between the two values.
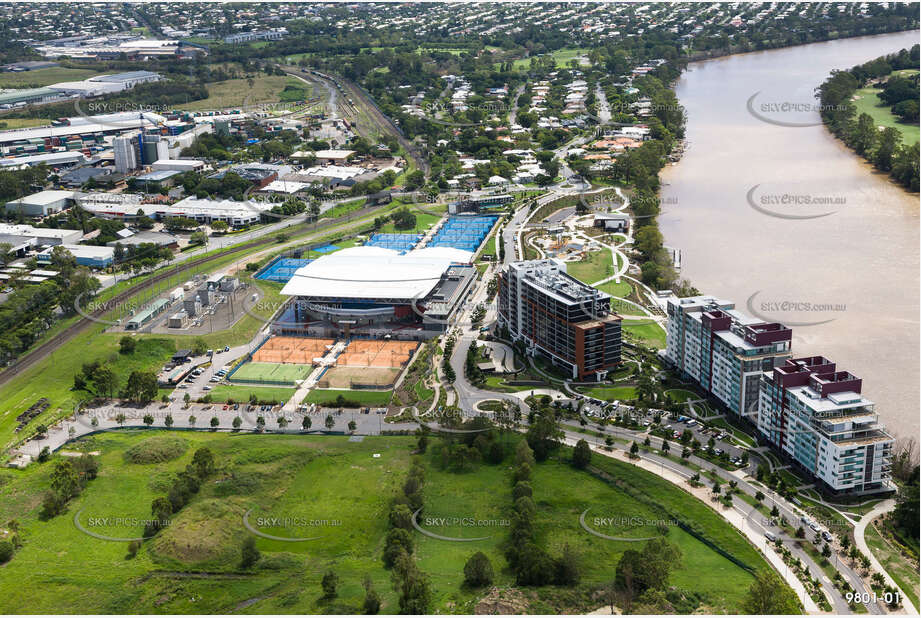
[834, 260]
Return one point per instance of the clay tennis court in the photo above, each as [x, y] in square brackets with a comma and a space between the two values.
[299, 350]
[371, 353]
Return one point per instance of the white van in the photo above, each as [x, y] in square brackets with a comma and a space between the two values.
[770, 536]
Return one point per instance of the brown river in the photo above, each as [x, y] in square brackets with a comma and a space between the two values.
[770, 211]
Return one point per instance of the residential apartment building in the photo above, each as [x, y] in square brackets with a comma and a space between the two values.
[559, 317]
[815, 414]
[724, 350]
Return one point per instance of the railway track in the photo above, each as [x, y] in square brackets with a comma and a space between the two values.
[352, 95]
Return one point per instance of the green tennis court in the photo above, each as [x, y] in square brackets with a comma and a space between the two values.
[271, 372]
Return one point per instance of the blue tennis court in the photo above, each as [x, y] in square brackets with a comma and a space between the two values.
[281, 269]
[462, 232]
[397, 242]
[325, 249]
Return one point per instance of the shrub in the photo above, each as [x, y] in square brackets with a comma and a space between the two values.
[249, 555]
[6, 551]
[478, 571]
[156, 449]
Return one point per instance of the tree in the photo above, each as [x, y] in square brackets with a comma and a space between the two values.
[192, 418]
[142, 386]
[186, 398]
[282, 422]
[306, 423]
[215, 421]
[330, 421]
[634, 449]
[198, 238]
[353, 426]
[581, 455]
[544, 434]
[168, 421]
[759, 495]
[249, 554]
[237, 422]
[478, 571]
[65, 481]
[203, 462]
[329, 583]
[199, 346]
[127, 345]
[372, 603]
[768, 595]
[148, 420]
[6, 551]
[665, 447]
[413, 587]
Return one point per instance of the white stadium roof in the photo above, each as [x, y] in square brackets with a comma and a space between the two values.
[375, 272]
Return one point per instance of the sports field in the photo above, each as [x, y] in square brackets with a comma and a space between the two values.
[348, 377]
[271, 372]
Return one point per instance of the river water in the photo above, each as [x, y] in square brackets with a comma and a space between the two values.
[770, 211]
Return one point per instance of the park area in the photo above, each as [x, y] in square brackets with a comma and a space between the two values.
[344, 489]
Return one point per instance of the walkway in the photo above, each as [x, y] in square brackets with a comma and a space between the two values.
[860, 540]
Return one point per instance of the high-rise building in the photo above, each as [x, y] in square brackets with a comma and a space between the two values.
[561, 318]
[815, 415]
[724, 350]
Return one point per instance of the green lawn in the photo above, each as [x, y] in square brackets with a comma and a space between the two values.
[424, 221]
[596, 266]
[681, 395]
[364, 398]
[646, 332]
[868, 102]
[562, 57]
[610, 393]
[44, 77]
[223, 392]
[272, 372]
[620, 290]
[898, 566]
[336, 493]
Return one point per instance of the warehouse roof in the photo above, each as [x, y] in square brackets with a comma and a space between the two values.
[374, 273]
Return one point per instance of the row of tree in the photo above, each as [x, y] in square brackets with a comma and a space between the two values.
[881, 148]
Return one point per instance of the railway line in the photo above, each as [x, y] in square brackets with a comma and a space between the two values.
[353, 99]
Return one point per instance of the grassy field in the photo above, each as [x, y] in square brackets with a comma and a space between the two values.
[365, 398]
[620, 290]
[609, 393]
[45, 77]
[898, 566]
[236, 92]
[596, 266]
[339, 491]
[645, 331]
[22, 123]
[867, 101]
[224, 392]
[274, 372]
[562, 57]
[424, 221]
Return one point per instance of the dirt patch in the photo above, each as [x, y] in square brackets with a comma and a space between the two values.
[346, 377]
[504, 601]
